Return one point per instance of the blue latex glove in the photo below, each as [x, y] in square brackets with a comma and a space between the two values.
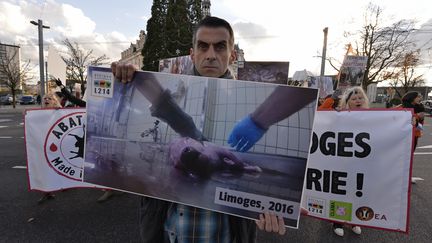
[245, 134]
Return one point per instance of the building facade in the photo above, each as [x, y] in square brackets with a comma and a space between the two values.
[133, 54]
[205, 7]
[9, 56]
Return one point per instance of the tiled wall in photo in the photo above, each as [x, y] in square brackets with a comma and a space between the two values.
[230, 101]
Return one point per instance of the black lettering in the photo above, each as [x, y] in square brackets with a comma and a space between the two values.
[330, 148]
[57, 134]
[258, 204]
[57, 161]
[336, 182]
[272, 204]
[72, 122]
[252, 203]
[326, 181]
[246, 202]
[72, 172]
[62, 126]
[239, 200]
[231, 199]
[313, 176]
[79, 119]
[366, 148]
[67, 169]
[342, 144]
[314, 145]
[220, 196]
[61, 167]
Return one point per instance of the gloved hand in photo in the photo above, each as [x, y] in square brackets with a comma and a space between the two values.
[245, 134]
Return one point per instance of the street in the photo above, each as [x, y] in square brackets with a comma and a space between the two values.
[75, 215]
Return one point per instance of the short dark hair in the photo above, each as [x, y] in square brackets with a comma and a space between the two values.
[213, 22]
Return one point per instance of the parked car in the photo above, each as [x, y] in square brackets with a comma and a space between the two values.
[27, 99]
[427, 103]
[6, 100]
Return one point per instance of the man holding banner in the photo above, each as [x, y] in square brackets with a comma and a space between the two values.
[212, 52]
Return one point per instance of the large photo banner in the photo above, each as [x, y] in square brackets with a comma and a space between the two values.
[165, 136]
[54, 141]
[359, 168]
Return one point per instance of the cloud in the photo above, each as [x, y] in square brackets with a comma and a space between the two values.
[76, 24]
[12, 19]
[250, 32]
[64, 20]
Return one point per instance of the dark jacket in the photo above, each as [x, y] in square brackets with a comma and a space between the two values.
[153, 212]
[71, 98]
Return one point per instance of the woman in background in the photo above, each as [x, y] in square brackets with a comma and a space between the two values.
[412, 100]
[50, 100]
[352, 98]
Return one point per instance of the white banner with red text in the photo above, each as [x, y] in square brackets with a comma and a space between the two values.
[55, 147]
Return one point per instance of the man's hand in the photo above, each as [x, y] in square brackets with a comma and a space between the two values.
[271, 223]
[245, 134]
[123, 72]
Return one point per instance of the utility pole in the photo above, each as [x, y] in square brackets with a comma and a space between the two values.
[323, 59]
[41, 55]
[46, 77]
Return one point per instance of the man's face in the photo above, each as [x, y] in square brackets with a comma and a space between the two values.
[212, 52]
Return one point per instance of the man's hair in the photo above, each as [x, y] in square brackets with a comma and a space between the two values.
[214, 22]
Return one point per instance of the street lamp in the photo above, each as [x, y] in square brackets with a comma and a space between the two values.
[41, 56]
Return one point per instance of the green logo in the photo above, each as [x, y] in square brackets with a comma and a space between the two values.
[340, 210]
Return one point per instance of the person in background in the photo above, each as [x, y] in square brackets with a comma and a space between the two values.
[412, 100]
[161, 221]
[81, 103]
[352, 98]
[331, 102]
[68, 96]
[38, 99]
[50, 100]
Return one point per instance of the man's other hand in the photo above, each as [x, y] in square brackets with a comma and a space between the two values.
[271, 223]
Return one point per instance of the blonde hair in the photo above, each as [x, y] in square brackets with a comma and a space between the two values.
[356, 90]
[55, 100]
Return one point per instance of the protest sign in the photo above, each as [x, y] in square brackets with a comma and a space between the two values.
[352, 71]
[359, 168]
[55, 147]
[269, 72]
[139, 140]
[176, 65]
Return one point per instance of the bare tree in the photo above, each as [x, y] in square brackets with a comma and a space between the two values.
[77, 60]
[404, 73]
[384, 46]
[15, 74]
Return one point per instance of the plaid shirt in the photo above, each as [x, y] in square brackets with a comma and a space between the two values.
[187, 224]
